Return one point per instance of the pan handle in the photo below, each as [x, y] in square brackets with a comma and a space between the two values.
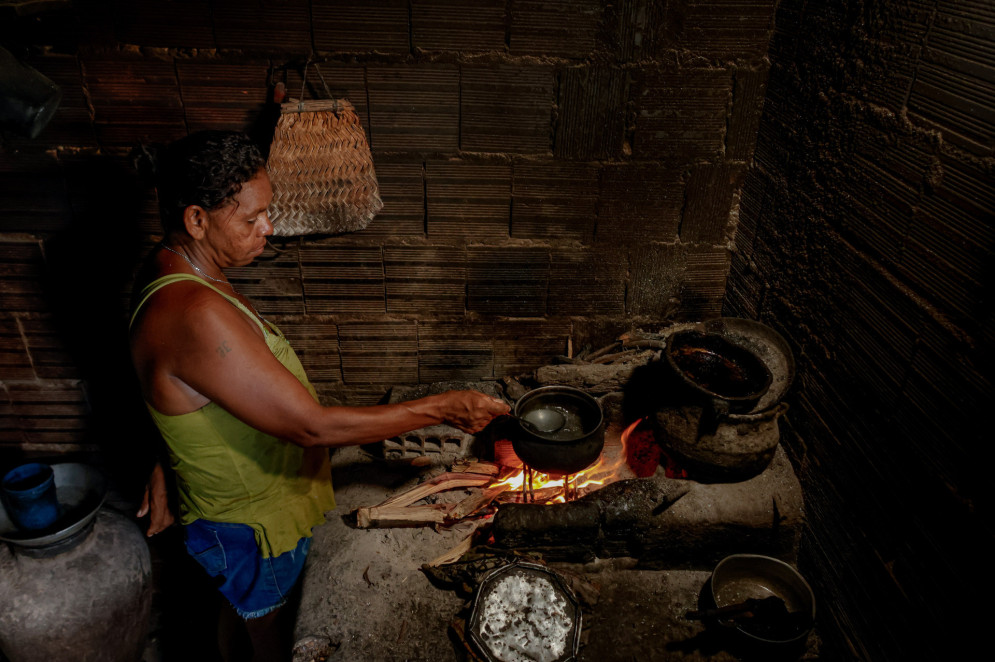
[711, 415]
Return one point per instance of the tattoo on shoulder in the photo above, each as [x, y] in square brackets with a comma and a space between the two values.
[223, 349]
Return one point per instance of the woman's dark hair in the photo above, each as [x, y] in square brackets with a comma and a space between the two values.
[207, 168]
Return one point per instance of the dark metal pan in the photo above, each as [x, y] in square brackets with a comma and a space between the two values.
[722, 373]
[768, 345]
[741, 577]
[574, 446]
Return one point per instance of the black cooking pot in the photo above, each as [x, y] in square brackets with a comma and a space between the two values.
[573, 447]
[717, 372]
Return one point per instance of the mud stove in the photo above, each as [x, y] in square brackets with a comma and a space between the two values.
[680, 484]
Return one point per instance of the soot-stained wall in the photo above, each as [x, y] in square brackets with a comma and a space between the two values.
[550, 170]
[866, 234]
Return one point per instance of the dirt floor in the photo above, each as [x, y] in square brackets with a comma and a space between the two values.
[366, 597]
[364, 591]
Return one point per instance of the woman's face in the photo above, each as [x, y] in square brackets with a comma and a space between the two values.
[237, 231]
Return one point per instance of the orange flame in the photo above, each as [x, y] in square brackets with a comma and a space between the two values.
[602, 472]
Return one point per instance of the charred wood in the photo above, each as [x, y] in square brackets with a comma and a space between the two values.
[593, 378]
[612, 521]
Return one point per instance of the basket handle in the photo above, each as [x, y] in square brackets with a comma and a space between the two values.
[328, 91]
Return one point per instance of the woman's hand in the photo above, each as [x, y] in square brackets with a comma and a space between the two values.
[471, 411]
[155, 503]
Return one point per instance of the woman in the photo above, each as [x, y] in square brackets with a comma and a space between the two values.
[246, 436]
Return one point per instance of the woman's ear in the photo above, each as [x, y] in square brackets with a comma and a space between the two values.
[194, 217]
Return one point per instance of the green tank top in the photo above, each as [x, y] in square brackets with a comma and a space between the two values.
[227, 471]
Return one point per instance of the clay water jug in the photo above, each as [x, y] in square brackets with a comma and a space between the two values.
[85, 596]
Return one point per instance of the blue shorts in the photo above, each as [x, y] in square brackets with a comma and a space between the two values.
[254, 585]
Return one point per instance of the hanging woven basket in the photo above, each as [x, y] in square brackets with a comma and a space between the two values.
[321, 170]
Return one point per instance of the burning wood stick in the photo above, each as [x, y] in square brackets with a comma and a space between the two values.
[475, 502]
[541, 495]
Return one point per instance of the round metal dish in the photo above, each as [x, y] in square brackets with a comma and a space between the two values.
[81, 491]
[524, 612]
[741, 577]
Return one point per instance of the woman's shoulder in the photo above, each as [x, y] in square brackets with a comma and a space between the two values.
[181, 302]
[185, 292]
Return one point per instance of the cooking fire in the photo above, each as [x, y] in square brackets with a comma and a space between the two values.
[638, 471]
[636, 454]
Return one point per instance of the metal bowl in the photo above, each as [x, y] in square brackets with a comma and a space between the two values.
[80, 490]
[740, 577]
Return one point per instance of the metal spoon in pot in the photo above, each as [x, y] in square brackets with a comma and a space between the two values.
[543, 421]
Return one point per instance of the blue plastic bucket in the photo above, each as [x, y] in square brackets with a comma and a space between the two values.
[29, 496]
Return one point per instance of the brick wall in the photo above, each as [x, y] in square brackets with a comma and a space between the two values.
[550, 170]
[866, 236]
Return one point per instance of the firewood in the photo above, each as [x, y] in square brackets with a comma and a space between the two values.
[541, 495]
[569, 360]
[453, 554]
[604, 350]
[607, 521]
[476, 467]
[444, 481]
[475, 502]
[627, 356]
[385, 516]
[593, 377]
[646, 343]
